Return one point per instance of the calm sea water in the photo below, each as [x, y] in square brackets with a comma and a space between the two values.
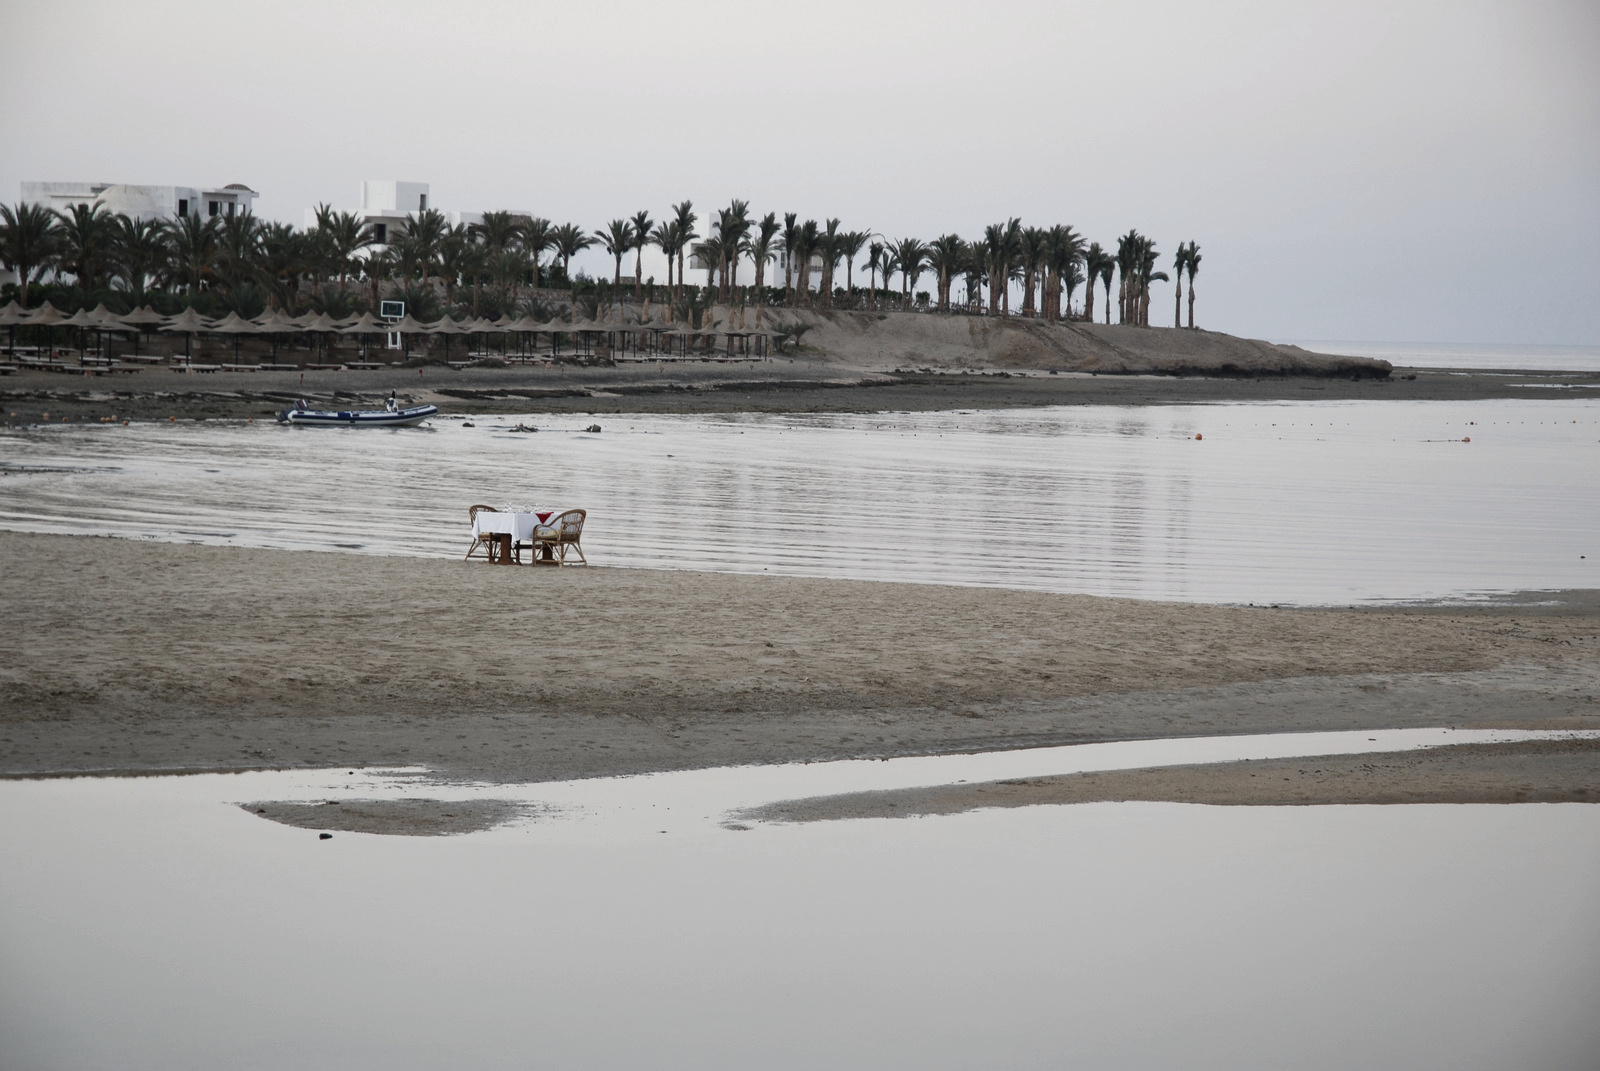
[150, 923]
[1301, 503]
[1485, 355]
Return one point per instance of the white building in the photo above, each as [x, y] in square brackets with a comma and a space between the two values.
[144, 202]
[386, 203]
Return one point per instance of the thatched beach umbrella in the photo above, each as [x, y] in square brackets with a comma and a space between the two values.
[447, 327]
[406, 326]
[274, 323]
[322, 326]
[275, 320]
[522, 326]
[365, 325]
[104, 320]
[237, 326]
[83, 320]
[10, 316]
[46, 316]
[188, 321]
[142, 319]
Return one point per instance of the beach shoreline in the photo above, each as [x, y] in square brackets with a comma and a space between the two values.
[780, 386]
[133, 657]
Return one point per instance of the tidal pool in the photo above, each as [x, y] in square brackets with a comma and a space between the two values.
[152, 923]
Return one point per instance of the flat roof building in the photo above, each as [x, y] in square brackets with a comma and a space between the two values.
[385, 204]
[144, 202]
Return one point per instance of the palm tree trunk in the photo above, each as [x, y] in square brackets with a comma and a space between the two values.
[1191, 304]
[761, 300]
[1177, 299]
[1088, 303]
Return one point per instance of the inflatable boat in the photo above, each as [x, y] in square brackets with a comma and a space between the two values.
[392, 417]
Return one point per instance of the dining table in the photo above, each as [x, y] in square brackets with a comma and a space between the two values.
[504, 529]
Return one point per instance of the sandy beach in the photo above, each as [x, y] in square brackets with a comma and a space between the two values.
[139, 657]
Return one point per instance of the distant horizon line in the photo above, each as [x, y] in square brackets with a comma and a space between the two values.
[1429, 342]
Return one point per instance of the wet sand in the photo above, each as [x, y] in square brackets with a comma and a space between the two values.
[410, 817]
[1542, 771]
[135, 657]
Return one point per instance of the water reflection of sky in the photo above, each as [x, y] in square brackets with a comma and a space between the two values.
[1296, 503]
[149, 923]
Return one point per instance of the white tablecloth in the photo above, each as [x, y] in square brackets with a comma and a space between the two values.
[519, 526]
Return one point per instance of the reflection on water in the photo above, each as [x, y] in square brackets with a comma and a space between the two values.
[1295, 503]
[149, 923]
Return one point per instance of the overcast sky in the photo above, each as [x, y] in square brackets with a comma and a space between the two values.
[1421, 171]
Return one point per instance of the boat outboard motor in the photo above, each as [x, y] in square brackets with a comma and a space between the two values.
[393, 407]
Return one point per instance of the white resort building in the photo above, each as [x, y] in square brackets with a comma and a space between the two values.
[385, 203]
[143, 202]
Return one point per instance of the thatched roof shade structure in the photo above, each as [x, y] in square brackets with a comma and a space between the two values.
[409, 326]
[46, 315]
[365, 324]
[234, 324]
[187, 320]
[275, 320]
[142, 317]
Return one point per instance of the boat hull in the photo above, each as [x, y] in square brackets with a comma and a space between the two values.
[358, 418]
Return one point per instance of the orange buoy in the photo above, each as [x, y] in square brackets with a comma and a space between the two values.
[1198, 436]
[1468, 439]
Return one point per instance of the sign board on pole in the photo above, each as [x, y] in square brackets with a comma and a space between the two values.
[394, 312]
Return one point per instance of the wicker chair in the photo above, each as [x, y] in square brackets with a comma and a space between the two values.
[563, 533]
[570, 528]
[485, 542]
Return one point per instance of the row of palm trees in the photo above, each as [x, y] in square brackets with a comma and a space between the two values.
[493, 259]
